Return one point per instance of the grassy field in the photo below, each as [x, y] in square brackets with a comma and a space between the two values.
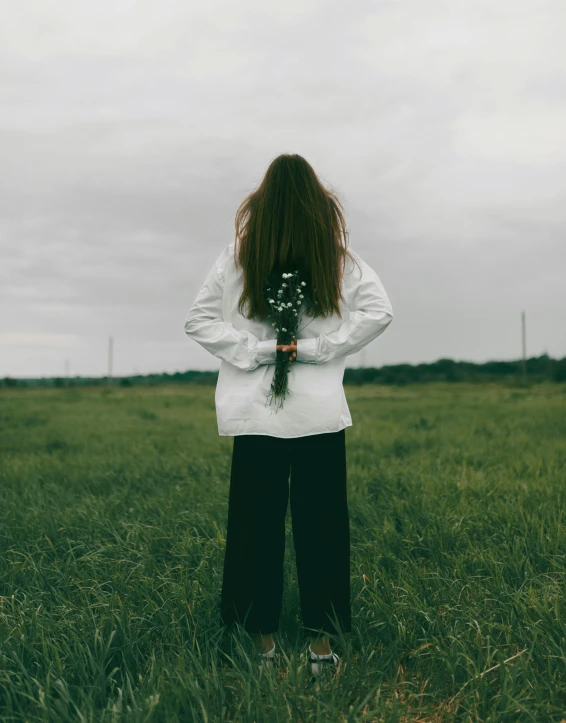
[113, 506]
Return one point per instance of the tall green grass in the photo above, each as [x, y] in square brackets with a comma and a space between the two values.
[113, 506]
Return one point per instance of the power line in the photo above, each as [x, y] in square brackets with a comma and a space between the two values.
[524, 337]
[110, 353]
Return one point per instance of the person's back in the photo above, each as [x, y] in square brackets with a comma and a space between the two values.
[291, 222]
[351, 309]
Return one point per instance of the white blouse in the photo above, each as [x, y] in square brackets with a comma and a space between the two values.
[315, 402]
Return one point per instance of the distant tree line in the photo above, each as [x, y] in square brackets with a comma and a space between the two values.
[539, 369]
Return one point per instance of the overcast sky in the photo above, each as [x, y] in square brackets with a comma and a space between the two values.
[131, 131]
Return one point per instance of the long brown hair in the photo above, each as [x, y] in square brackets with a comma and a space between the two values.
[291, 222]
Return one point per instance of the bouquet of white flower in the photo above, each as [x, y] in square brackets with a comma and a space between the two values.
[285, 302]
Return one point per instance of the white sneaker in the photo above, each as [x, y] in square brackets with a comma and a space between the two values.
[267, 659]
[319, 663]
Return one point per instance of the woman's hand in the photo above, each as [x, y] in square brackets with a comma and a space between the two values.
[291, 347]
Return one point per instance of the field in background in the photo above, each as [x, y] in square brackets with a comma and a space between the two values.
[113, 506]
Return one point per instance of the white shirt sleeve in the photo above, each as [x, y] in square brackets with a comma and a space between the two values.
[205, 325]
[371, 314]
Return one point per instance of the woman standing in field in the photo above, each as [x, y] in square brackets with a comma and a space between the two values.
[290, 223]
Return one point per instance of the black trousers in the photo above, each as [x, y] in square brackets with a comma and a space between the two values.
[252, 585]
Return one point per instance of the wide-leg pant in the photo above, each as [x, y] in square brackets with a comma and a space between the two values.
[252, 586]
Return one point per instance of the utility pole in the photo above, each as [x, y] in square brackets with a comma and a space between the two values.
[524, 335]
[110, 350]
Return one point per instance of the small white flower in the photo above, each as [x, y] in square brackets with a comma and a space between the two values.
[283, 328]
[284, 276]
[294, 311]
[301, 296]
[303, 283]
[271, 301]
[276, 329]
[290, 303]
[280, 308]
[283, 284]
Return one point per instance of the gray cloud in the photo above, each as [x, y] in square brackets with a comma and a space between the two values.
[130, 133]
